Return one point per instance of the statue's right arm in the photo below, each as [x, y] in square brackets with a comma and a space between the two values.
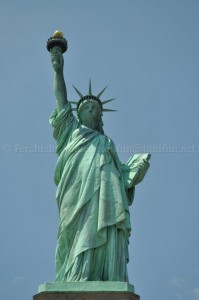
[59, 83]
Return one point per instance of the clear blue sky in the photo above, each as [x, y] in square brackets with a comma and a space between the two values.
[148, 54]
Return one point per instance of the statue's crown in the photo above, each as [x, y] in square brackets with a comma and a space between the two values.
[90, 96]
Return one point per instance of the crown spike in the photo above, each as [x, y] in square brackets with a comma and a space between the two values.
[108, 110]
[98, 96]
[80, 94]
[107, 101]
[90, 88]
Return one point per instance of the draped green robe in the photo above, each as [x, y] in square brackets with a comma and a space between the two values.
[92, 242]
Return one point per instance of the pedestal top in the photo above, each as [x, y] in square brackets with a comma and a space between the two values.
[87, 286]
[87, 290]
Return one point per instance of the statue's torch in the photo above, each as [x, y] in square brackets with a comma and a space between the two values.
[57, 40]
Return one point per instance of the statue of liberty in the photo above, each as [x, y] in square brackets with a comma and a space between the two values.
[94, 189]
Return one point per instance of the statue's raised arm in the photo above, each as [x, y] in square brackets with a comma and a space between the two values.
[59, 83]
[58, 45]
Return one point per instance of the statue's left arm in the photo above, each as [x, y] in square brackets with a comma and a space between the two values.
[134, 171]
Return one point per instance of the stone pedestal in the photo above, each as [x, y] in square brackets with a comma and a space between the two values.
[89, 290]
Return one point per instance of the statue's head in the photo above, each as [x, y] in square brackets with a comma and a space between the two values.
[90, 109]
[90, 114]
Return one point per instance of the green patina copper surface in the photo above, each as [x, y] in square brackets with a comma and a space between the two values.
[94, 190]
[87, 286]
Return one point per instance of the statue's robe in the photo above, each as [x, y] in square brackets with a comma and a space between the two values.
[94, 229]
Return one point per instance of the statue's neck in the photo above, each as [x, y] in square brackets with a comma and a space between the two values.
[93, 124]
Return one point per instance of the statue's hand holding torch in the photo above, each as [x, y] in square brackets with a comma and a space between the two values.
[57, 45]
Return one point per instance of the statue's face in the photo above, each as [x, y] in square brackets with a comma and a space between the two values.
[90, 111]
